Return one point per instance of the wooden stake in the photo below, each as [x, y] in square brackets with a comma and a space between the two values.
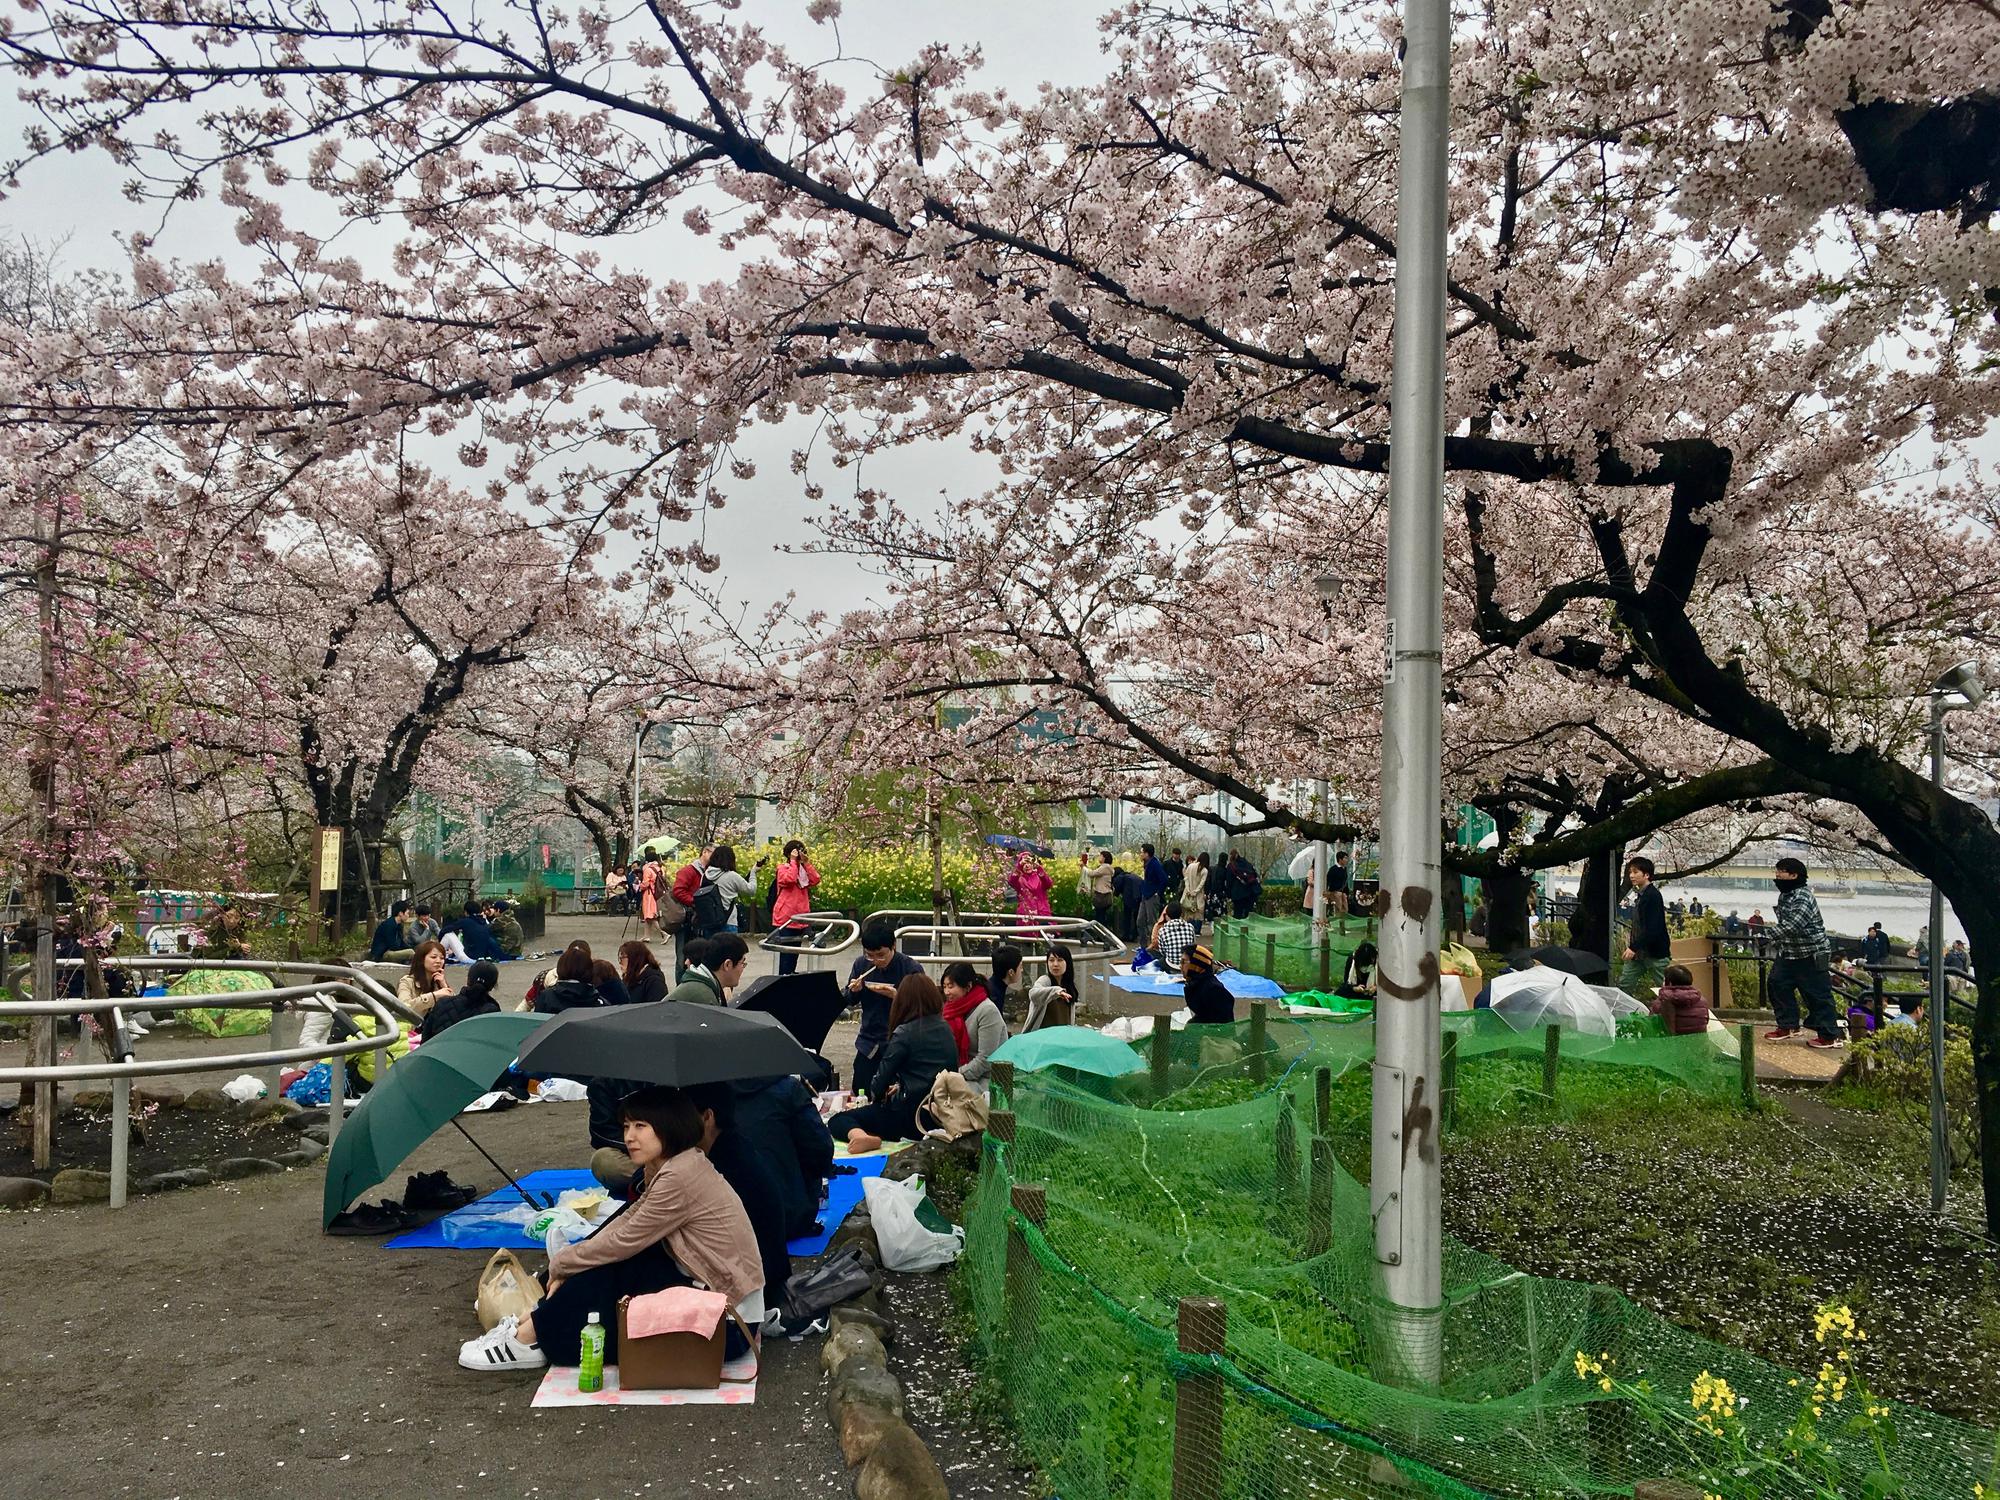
[1198, 1398]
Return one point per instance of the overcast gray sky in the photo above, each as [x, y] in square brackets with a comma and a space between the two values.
[79, 200]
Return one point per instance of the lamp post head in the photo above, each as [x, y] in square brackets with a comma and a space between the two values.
[1962, 682]
[1329, 585]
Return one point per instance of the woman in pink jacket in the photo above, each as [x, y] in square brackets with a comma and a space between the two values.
[796, 879]
[1030, 884]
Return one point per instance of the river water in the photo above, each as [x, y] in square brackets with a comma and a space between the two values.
[1901, 916]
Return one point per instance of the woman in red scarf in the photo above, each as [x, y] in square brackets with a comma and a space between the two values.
[975, 1022]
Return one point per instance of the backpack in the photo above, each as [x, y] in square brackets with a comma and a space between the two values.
[708, 913]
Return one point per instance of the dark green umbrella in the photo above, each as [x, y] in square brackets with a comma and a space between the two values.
[417, 1096]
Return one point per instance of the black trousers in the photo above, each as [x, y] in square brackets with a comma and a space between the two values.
[892, 1119]
[560, 1320]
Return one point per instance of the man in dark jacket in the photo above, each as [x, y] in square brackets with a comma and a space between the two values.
[1647, 943]
[745, 1169]
[477, 936]
[392, 935]
[872, 984]
[777, 1117]
[1875, 946]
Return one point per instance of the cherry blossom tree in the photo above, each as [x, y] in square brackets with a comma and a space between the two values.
[1709, 362]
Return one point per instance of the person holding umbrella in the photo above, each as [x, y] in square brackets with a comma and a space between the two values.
[685, 1227]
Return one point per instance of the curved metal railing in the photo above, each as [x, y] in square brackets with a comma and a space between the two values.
[815, 947]
[335, 989]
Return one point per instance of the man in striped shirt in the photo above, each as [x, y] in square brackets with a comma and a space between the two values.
[1804, 956]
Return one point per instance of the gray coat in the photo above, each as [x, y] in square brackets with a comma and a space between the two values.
[987, 1029]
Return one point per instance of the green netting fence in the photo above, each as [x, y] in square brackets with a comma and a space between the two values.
[1281, 948]
[1180, 1302]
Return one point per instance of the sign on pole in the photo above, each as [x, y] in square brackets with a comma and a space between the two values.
[325, 877]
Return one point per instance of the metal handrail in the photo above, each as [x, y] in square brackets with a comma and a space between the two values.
[338, 989]
[819, 921]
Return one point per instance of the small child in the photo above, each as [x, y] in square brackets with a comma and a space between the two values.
[1679, 1003]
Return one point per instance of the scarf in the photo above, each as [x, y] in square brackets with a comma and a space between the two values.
[955, 1012]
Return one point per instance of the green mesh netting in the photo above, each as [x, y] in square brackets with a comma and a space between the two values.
[1145, 1202]
[1281, 948]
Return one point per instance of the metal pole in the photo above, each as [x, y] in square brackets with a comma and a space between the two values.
[1404, 1187]
[121, 1137]
[638, 739]
[1319, 874]
[1940, 1127]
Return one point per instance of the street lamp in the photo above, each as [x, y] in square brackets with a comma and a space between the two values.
[1960, 688]
[1328, 586]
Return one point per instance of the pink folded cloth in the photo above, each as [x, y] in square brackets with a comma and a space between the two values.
[679, 1309]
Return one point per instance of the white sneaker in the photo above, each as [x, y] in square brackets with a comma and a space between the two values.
[500, 1350]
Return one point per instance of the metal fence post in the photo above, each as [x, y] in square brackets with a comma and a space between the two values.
[1260, 1021]
[1203, 1330]
[1551, 1058]
[121, 1138]
[1163, 1053]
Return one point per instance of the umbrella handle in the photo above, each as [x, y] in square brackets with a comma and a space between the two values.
[500, 1169]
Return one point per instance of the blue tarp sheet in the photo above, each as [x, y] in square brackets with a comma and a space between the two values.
[500, 1220]
[1240, 984]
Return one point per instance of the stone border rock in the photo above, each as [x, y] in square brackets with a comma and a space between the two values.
[75, 1186]
[865, 1400]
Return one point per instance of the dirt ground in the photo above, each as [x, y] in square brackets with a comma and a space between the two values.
[213, 1342]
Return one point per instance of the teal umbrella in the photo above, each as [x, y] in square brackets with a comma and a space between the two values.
[420, 1094]
[1075, 1047]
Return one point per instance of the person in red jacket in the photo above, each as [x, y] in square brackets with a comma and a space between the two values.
[687, 881]
[795, 881]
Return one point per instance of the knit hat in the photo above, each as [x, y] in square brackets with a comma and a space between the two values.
[1201, 957]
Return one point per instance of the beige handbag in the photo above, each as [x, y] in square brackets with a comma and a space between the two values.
[505, 1290]
[955, 1106]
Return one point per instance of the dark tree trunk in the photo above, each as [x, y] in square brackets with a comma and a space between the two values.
[1590, 923]
[1509, 895]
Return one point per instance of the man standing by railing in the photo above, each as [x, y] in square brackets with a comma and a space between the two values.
[1804, 954]
[1648, 945]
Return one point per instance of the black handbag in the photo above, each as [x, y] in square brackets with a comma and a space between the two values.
[844, 1274]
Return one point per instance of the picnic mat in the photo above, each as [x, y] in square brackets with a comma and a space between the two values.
[558, 1388]
[480, 1226]
[1242, 985]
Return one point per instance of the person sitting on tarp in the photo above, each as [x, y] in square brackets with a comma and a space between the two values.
[776, 1116]
[920, 1046]
[1207, 997]
[1357, 982]
[392, 936]
[475, 936]
[753, 1176]
[476, 999]
[1679, 1004]
[506, 928]
[685, 1228]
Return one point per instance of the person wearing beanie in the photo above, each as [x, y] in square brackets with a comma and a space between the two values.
[1207, 997]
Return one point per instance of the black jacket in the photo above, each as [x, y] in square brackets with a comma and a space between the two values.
[777, 1118]
[566, 994]
[478, 939]
[452, 1009]
[647, 988]
[742, 1168]
[1210, 1000]
[916, 1052]
[1648, 937]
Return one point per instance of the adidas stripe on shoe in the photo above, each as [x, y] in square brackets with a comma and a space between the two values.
[500, 1350]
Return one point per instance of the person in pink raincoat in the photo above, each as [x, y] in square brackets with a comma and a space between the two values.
[1030, 884]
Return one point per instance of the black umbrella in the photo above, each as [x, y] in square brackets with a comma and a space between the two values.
[1577, 961]
[664, 1042]
[806, 1004]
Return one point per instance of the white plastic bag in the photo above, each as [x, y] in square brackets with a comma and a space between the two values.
[559, 1228]
[908, 1244]
[244, 1087]
[561, 1091]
